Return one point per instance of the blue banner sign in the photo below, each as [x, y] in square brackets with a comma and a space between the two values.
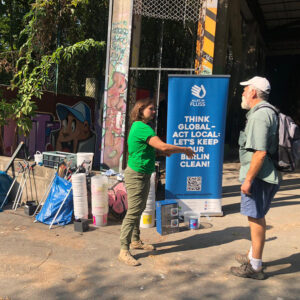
[196, 118]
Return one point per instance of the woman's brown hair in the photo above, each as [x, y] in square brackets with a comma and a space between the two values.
[137, 111]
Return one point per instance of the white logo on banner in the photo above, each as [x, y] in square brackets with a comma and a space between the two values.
[198, 91]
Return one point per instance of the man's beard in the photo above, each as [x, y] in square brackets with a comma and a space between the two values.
[245, 104]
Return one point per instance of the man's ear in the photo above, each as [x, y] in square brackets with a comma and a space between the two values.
[86, 126]
[253, 92]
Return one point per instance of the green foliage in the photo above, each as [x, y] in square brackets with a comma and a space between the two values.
[59, 35]
[31, 84]
[6, 111]
[11, 24]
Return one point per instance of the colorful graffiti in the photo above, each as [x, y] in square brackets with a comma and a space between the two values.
[71, 131]
[115, 98]
[119, 43]
[75, 134]
[115, 108]
[38, 138]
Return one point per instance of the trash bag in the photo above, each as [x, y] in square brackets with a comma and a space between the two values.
[5, 182]
[59, 190]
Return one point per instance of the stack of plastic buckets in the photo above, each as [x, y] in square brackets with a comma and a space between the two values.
[99, 185]
[148, 216]
[80, 196]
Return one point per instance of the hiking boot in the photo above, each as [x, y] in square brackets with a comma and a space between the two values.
[247, 271]
[140, 245]
[127, 258]
[242, 259]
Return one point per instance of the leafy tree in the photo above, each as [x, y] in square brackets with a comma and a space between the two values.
[55, 35]
[12, 13]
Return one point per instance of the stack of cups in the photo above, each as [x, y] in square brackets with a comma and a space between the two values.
[80, 196]
[148, 216]
[99, 186]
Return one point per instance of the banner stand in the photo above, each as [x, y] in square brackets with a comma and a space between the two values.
[196, 118]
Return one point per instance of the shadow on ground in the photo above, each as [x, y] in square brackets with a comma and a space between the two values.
[202, 240]
[96, 282]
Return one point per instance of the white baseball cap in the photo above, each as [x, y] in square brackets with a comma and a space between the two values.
[259, 82]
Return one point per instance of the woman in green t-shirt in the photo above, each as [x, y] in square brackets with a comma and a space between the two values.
[142, 142]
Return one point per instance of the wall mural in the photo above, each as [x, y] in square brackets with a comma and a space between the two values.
[114, 113]
[75, 133]
[62, 124]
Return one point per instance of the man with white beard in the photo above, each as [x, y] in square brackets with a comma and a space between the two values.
[260, 179]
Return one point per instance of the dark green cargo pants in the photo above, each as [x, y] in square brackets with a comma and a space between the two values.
[137, 186]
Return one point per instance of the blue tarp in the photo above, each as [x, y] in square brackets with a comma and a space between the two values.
[5, 182]
[58, 192]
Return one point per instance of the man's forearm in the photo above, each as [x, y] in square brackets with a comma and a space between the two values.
[255, 165]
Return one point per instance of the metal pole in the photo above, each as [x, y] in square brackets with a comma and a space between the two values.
[19, 188]
[108, 50]
[159, 72]
[11, 186]
[60, 208]
[21, 192]
[106, 81]
[45, 195]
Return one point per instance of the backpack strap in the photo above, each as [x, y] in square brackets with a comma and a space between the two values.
[276, 110]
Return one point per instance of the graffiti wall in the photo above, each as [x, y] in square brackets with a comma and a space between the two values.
[114, 113]
[63, 123]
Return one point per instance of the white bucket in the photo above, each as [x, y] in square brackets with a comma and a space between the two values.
[85, 156]
[150, 205]
[147, 218]
[38, 157]
[80, 200]
[99, 186]
[100, 220]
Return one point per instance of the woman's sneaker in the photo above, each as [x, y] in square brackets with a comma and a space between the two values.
[247, 271]
[140, 245]
[126, 257]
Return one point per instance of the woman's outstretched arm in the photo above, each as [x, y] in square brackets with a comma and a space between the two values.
[158, 144]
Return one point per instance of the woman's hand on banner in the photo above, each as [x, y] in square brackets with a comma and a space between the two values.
[189, 152]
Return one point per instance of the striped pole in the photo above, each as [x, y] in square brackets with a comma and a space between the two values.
[206, 38]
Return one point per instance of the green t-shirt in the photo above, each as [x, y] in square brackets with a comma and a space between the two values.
[260, 134]
[141, 156]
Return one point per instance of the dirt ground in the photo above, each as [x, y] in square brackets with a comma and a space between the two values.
[38, 263]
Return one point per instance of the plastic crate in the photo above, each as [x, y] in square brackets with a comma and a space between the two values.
[167, 219]
[52, 159]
